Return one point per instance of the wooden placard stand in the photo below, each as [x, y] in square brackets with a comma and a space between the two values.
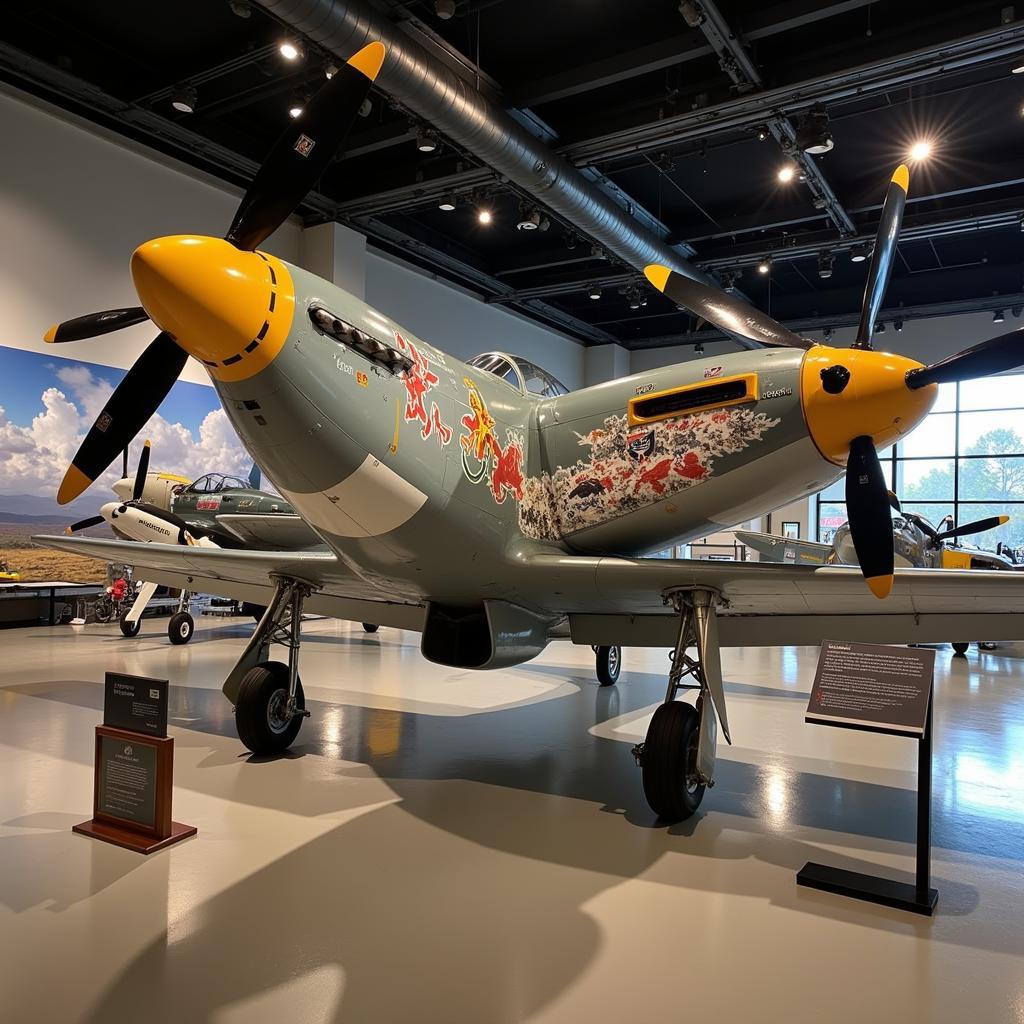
[146, 826]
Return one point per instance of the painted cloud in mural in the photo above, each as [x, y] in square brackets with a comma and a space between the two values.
[47, 405]
[629, 468]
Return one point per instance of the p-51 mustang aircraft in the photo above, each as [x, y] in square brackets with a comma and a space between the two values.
[494, 521]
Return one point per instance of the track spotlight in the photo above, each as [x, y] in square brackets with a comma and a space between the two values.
[825, 262]
[240, 8]
[898, 324]
[634, 300]
[786, 174]
[828, 332]
[570, 241]
[529, 220]
[295, 107]
[880, 328]
[692, 14]
[858, 254]
[183, 99]
[598, 253]
[290, 49]
[762, 134]
[997, 317]
[330, 70]
[1018, 70]
[426, 142]
[921, 150]
[764, 266]
[484, 215]
[728, 281]
[813, 134]
[366, 107]
[594, 291]
[698, 349]
[544, 224]
[448, 202]
[444, 9]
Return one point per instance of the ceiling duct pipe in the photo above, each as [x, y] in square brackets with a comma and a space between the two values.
[452, 105]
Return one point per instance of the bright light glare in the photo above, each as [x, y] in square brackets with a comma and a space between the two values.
[763, 267]
[786, 174]
[1019, 70]
[921, 150]
[484, 216]
[289, 50]
[295, 111]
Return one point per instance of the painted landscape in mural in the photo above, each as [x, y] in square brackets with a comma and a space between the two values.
[47, 404]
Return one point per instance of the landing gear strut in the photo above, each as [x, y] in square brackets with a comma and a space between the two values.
[182, 625]
[678, 754]
[268, 697]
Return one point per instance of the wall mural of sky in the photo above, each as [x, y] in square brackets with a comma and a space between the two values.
[48, 403]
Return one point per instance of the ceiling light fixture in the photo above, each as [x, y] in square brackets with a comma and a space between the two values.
[825, 263]
[444, 9]
[858, 254]
[426, 142]
[290, 49]
[813, 134]
[330, 70]
[764, 266]
[921, 150]
[295, 108]
[448, 202]
[692, 14]
[898, 324]
[366, 107]
[183, 99]
[1018, 70]
[828, 333]
[880, 328]
[529, 220]
[762, 134]
[786, 174]
[484, 216]
[997, 317]
[240, 8]
[594, 291]
[699, 348]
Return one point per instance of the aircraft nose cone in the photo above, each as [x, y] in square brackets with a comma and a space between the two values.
[229, 308]
[848, 393]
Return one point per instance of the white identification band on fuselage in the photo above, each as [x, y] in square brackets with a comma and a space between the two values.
[372, 501]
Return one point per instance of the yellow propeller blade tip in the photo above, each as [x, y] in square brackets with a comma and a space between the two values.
[1003, 519]
[51, 335]
[880, 586]
[657, 275]
[147, 443]
[368, 60]
[73, 484]
[901, 176]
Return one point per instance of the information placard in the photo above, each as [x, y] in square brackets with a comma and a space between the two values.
[135, 703]
[872, 686]
[127, 781]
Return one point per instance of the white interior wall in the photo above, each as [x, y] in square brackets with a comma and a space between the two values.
[75, 201]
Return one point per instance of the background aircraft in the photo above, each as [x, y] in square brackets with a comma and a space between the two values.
[492, 520]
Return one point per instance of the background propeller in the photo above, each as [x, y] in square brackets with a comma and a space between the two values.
[989, 357]
[978, 526]
[292, 167]
[84, 524]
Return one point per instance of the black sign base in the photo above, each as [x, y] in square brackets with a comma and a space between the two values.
[132, 840]
[901, 895]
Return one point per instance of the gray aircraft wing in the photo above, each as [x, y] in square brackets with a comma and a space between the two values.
[247, 576]
[278, 531]
[619, 600]
[780, 549]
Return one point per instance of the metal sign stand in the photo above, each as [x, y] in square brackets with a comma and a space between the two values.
[918, 898]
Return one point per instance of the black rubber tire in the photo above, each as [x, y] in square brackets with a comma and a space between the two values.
[255, 610]
[960, 650]
[253, 712]
[130, 628]
[180, 628]
[370, 627]
[670, 751]
[609, 665]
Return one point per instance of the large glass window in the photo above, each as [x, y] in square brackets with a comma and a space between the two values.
[965, 462]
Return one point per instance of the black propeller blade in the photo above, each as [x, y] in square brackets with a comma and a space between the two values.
[725, 311]
[92, 325]
[84, 524]
[993, 356]
[978, 526]
[304, 150]
[883, 257]
[134, 400]
[140, 473]
[124, 463]
[867, 506]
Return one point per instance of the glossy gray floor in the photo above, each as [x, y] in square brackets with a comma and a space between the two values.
[450, 846]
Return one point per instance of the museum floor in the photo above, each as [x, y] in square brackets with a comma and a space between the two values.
[459, 847]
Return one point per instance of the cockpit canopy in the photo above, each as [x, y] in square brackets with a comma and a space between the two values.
[212, 483]
[526, 377]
